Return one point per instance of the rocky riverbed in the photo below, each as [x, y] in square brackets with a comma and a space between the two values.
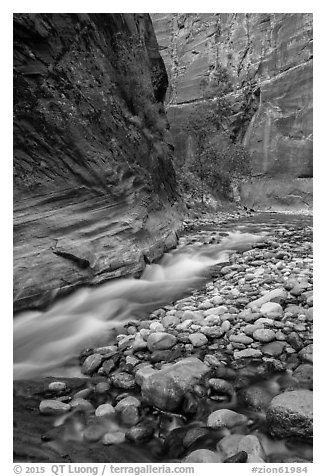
[222, 375]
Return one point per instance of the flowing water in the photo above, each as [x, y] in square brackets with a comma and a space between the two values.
[44, 342]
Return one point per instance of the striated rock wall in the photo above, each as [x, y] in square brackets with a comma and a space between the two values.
[263, 64]
[94, 187]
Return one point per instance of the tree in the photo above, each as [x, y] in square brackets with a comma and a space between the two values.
[216, 161]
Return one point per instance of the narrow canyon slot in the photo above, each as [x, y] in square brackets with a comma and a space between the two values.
[163, 238]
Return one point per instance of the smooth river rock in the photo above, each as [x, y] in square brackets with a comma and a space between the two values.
[166, 388]
[306, 354]
[225, 418]
[291, 414]
[276, 295]
[264, 335]
[272, 309]
[198, 339]
[54, 407]
[106, 409]
[160, 341]
[247, 353]
[233, 444]
[91, 364]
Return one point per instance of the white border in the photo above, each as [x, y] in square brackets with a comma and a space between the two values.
[319, 183]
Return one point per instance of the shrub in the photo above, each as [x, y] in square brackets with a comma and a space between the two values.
[217, 85]
[217, 161]
[134, 87]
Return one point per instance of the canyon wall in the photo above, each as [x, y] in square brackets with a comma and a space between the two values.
[262, 63]
[95, 194]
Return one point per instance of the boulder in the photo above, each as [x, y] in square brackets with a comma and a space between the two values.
[91, 364]
[264, 335]
[273, 349]
[123, 380]
[276, 296]
[57, 387]
[166, 388]
[247, 353]
[170, 321]
[256, 397]
[106, 409]
[160, 341]
[126, 402]
[54, 407]
[295, 341]
[290, 414]
[306, 354]
[139, 343]
[221, 386]
[198, 339]
[272, 310]
[304, 375]
[241, 339]
[225, 418]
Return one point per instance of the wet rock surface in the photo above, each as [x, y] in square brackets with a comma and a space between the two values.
[290, 414]
[94, 184]
[225, 400]
[167, 387]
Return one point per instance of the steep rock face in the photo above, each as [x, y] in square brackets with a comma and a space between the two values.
[94, 184]
[263, 65]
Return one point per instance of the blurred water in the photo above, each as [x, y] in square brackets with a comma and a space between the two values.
[43, 341]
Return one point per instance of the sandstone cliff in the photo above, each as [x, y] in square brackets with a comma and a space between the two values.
[94, 186]
[263, 64]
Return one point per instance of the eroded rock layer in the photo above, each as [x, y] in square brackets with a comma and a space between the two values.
[263, 64]
[94, 185]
